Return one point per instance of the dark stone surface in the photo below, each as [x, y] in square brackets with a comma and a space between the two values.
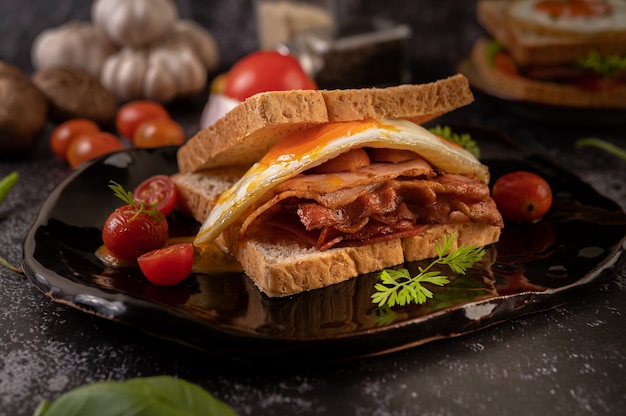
[569, 360]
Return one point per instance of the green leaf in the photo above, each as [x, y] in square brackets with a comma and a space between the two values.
[493, 48]
[398, 287]
[7, 184]
[384, 315]
[603, 65]
[602, 144]
[150, 396]
[464, 140]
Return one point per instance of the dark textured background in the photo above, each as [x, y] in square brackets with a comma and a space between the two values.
[567, 361]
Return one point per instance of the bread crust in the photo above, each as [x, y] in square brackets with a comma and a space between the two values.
[279, 268]
[528, 46]
[525, 89]
[248, 131]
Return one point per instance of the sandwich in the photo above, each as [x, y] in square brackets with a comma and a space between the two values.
[566, 53]
[311, 188]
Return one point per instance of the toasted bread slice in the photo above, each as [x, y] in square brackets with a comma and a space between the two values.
[281, 268]
[248, 131]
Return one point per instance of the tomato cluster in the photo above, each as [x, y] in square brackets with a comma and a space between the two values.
[138, 232]
[145, 123]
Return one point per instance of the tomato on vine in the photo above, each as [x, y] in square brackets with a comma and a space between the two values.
[133, 229]
[522, 196]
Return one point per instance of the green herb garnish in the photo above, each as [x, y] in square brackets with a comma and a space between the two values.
[492, 49]
[7, 183]
[128, 198]
[464, 140]
[603, 65]
[398, 287]
[384, 315]
[602, 144]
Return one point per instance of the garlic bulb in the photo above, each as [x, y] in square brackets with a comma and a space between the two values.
[161, 73]
[134, 22]
[72, 45]
[201, 40]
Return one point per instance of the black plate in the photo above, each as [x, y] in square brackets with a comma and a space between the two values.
[532, 268]
[537, 110]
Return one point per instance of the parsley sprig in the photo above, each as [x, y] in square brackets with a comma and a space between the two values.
[464, 140]
[398, 287]
[128, 198]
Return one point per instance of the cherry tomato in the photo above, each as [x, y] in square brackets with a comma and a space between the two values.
[504, 62]
[66, 132]
[133, 113]
[157, 133]
[263, 71]
[167, 266]
[90, 146]
[522, 196]
[128, 234]
[158, 190]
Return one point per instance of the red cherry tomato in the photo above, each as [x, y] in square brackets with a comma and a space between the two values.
[522, 196]
[167, 266]
[504, 62]
[66, 132]
[266, 71]
[128, 234]
[157, 133]
[133, 113]
[90, 146]
[158, 190]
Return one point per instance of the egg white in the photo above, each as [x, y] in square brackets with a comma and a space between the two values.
[524, 11]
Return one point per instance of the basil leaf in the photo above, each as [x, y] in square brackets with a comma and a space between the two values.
[154, 396]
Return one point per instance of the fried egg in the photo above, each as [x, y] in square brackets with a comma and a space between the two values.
[604, 17]
[303, 150]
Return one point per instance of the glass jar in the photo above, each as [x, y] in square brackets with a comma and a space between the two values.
[366, 53]
[279, 21]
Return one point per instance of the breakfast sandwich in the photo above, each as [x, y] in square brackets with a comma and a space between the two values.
[335, 183]
[568, 53]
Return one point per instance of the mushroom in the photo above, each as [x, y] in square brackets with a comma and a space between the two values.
[75, 93]
[23, 111]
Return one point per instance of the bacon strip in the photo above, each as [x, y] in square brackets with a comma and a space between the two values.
[375, 203]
